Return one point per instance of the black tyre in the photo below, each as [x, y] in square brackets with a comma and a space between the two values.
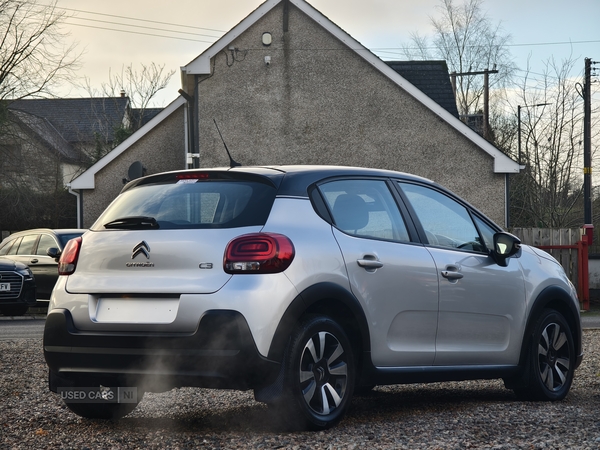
[16, 310]
[319, 375]
[551, 359]
[106, 411]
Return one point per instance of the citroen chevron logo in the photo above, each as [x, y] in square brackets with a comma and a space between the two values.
[141, 249]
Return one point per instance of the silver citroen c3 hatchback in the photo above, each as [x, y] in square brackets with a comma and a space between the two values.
[304, 284]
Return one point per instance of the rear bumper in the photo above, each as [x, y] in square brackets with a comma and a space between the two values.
[219, 354]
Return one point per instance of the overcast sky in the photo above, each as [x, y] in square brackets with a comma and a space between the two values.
[539, 29]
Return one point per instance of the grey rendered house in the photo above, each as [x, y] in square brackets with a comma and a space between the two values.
[60, 135]
[288, 86]
[44, 145]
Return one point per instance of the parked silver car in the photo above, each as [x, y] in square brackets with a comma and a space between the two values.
[304, 284]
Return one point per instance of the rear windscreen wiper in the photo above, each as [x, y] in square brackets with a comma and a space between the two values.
[133, 223]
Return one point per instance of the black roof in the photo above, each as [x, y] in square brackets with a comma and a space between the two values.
[432, 78]
[78, 119]
[48, 135]
[291, 180]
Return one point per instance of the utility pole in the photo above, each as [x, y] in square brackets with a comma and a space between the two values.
[486, 105]
[486, 95]
[587, 143]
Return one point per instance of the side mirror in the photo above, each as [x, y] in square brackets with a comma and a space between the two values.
[54, 253]
[505, 246]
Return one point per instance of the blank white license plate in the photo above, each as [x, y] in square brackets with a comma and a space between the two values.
[4, 286]
[136, 310]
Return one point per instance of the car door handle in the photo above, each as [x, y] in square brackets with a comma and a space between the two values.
[450, 275]
[369, 263]
[34, 261]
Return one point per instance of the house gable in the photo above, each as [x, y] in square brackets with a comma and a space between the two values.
[202, 66]
[324, 99]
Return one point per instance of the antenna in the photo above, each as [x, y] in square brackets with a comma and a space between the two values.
[232, 163]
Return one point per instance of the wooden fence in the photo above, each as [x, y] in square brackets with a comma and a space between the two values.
[570, 250]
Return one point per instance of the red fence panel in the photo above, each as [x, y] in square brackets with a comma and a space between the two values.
[570, 248]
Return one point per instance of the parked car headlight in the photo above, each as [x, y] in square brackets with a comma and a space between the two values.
[27, 273]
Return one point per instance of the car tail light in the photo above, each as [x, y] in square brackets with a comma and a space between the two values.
[258, 253]
[68, 258]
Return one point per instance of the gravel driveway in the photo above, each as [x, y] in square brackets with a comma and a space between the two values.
[479, 414]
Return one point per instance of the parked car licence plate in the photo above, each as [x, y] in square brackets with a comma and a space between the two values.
[4, 286]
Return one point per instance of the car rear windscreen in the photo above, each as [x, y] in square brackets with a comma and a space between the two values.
[193, 203]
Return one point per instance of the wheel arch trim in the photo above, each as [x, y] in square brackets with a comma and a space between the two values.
[557, 298]
[311, 298]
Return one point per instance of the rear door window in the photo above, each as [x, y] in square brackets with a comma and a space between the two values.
[365, 208]
[27, 244]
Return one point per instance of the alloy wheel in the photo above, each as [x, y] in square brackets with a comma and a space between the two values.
[554, 359]
[323, 373]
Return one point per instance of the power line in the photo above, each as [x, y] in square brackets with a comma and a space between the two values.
[533, 44]
[140, 33]
[553, 43]
[140, 20]
[137, 26]
[392, 50]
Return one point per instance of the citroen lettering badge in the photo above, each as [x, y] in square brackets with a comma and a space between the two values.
[140, 249]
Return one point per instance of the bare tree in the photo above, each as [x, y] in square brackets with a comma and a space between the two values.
[141, 86]
[33, 55]
[549, 191]
[467, 39]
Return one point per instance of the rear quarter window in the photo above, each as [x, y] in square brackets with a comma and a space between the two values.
[195, 204]
[6, 246]
[12, 250]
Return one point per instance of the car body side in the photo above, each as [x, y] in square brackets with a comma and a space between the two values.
[252, 316]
